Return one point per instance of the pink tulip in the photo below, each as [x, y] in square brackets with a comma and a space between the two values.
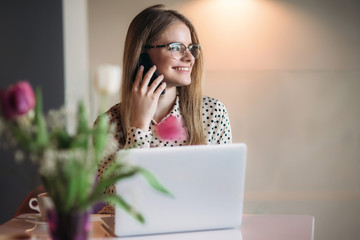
[17, 100]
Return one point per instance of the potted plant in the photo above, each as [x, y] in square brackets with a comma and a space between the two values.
[67, 163]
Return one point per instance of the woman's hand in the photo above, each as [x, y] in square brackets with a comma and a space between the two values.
[145, 98]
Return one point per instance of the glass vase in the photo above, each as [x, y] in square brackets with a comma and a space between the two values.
[69, 226]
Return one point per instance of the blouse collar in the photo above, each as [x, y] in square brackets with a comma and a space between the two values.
[175, 111]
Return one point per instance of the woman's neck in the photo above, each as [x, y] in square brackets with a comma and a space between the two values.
[165, 104]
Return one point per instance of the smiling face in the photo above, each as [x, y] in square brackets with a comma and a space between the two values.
[176, 71]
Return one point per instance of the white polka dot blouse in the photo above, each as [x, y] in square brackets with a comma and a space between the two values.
[169, 132]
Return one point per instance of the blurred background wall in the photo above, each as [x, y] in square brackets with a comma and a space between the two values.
[289, 74]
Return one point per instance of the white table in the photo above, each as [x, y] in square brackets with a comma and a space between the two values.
[254, 227]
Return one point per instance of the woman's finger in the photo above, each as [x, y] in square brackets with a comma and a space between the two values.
[160, 89]
[147, 76]
[138, 78]
[156, 83]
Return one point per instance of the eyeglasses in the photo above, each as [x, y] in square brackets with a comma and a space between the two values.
[178, 49]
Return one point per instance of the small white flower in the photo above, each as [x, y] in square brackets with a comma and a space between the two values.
[56, 119]
[48, 163]
[107, 79]
[112, 144]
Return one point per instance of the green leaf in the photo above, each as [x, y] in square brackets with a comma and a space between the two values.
[82, 124]
[153, 182]
[84, 187]
[113, 168]
[108, 181]
[22, 138]
[125, 206]
[62, 138]
[80, 141]
[100, 133]
[72, 189]
[41, 136]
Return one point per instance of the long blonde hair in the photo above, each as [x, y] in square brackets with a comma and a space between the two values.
[144, 30]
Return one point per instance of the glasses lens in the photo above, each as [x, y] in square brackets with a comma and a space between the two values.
[195, 50]
[177, 50]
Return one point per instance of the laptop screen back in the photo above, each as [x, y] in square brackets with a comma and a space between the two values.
[207, 182]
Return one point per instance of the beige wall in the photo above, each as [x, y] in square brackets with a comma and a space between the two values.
[289, 74]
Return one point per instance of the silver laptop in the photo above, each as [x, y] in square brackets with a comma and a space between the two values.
[207, 182]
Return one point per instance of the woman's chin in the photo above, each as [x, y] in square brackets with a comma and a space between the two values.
[183, 82]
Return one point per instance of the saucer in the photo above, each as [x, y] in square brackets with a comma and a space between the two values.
[35, 218]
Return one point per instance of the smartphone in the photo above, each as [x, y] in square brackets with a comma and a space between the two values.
[145, 60]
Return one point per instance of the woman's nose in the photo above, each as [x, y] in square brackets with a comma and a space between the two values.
[188, 57]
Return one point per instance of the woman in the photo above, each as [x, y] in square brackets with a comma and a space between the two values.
[148, 117]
